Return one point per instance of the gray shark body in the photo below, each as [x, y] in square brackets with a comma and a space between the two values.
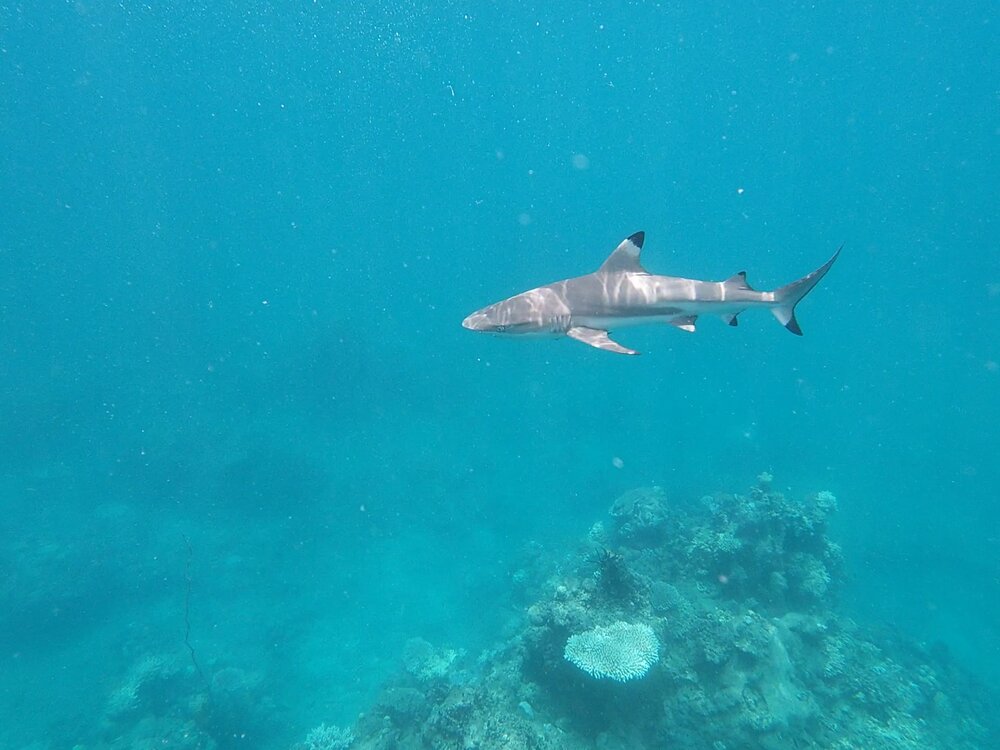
[622, 293]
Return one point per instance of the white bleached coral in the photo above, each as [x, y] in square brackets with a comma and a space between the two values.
[329, 737]
[426, 662]
[620, 651]
[128, 696]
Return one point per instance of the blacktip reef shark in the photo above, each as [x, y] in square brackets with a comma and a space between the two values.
[622, 293]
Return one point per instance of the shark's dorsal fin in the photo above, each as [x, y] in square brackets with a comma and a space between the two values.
[625, 258]
[738, 281]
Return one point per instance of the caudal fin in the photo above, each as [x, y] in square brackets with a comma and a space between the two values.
[788, 296]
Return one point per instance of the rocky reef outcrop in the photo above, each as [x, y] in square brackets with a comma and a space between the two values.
[739, 594]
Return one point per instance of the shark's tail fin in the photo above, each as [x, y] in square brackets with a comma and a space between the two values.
[788, 296]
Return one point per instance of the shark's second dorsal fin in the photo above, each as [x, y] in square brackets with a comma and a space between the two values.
[625, 258]
[738, 281]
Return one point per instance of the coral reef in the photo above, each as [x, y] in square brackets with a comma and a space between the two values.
[726, 609]
[161, 701]
[147, 682]
[709, 623]
[157, 703]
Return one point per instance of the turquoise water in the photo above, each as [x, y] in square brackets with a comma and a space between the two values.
[237, 243]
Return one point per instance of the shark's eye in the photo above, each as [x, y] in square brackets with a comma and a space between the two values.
[501, 329]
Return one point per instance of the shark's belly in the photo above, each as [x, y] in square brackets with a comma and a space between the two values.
[608, 322]
[609, 319]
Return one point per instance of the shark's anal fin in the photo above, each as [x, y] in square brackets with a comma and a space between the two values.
[684, 322]
[598, 339]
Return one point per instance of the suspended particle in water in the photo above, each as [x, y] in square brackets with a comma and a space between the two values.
[581, 161]
[617, 463]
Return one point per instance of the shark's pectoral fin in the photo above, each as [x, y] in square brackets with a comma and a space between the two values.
[684, 322]
[731, 319]
[598, 339]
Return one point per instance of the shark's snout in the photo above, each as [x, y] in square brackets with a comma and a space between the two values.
[477, 322]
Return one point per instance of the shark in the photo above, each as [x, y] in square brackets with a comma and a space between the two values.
[623, 293]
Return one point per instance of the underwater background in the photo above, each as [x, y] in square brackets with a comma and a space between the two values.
[246, 444]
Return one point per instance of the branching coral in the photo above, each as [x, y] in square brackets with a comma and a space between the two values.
[328, 737]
